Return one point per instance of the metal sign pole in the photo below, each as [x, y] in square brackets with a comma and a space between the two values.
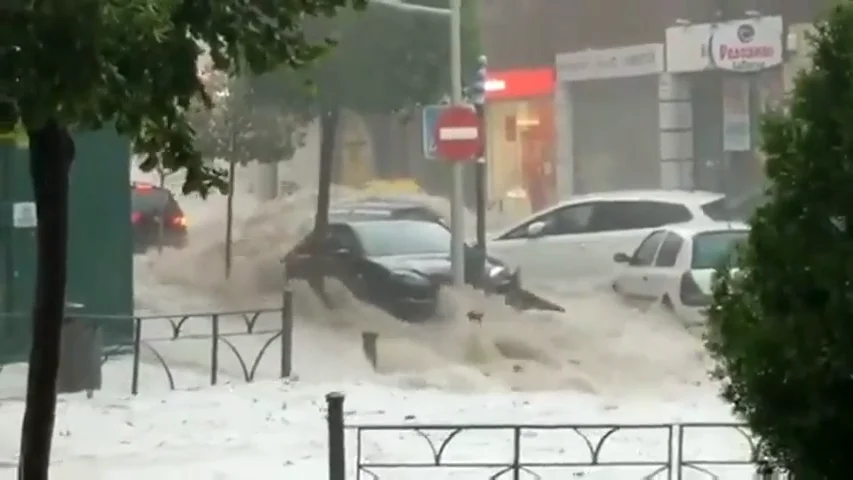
[481, 174]
[457, 201]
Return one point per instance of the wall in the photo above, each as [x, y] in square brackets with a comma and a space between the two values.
[607, 118]
[368, 147]
[726, 97]
[100, 268]
[799, 58]
[531, 32]
[520, 137]
[527, 33]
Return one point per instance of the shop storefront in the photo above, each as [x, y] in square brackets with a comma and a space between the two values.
[520, 136]
[728, 73]
[607, 118]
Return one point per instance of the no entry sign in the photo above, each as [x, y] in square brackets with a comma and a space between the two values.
[457, 135]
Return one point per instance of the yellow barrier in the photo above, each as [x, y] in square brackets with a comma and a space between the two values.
[18, 135]
[399, 186]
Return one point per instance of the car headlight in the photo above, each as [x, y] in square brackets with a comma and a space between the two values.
[496, 271]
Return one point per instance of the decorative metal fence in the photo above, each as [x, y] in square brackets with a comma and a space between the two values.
[675, 458]
[237, 341]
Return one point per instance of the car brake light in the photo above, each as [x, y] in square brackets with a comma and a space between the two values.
[690, 293]
[135, 217]
[180, 221]
[143, 186]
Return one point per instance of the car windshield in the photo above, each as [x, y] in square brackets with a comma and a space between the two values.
[712, 249]
[148, 199]
[402, 237]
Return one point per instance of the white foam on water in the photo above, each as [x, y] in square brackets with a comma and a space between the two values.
[599, 346]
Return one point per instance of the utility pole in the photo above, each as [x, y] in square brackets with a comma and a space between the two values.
[478, 96]
[457, 199]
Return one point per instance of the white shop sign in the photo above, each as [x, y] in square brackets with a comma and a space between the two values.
[748, 45]
[630, 61]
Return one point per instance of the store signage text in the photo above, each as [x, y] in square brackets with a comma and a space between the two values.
[746, 46]
[630, 61]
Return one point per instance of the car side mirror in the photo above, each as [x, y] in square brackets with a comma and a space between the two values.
[535, 229]
[621, 258]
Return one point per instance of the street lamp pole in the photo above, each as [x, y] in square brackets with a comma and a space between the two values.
[457, 199]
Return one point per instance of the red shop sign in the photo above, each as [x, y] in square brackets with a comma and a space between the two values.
[511, 84]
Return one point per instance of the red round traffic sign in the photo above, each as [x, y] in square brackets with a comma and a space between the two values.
[457, 134]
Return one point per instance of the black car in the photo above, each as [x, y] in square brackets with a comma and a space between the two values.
[397, 265]
[156, 218]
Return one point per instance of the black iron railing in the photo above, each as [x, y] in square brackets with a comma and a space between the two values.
[675, 458]
[277, 340]
[175, 342]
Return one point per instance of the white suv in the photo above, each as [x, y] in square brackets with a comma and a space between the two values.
[575, 240]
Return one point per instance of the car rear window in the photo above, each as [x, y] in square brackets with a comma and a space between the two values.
[737, 209]
[149, 199]
[712, 249]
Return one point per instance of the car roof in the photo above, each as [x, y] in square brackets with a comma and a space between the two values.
[689, 197]
[379, 208]
[690, 230]
[369, 211]
[148, 187]
[367, 222]
[379, 204]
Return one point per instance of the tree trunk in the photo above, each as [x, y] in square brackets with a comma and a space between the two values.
[328, 132]
[51, 154]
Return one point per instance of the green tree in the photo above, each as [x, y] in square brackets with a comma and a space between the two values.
[131, 64]
[249, 121]
[780, 327]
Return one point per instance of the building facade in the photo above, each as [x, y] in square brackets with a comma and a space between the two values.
[607, 118]
[623, 125]
[520, 135]
[727, 74]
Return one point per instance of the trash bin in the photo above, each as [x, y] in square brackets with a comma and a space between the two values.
[80, 356]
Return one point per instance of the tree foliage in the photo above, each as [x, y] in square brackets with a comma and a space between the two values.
[134, 63]
[131, 64]
[385, 60]
[781, 328]
[249, 121]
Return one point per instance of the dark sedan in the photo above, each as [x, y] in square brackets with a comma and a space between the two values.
[156, 218]
[397, 265]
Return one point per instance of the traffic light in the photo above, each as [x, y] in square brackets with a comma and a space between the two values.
[478, 87]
